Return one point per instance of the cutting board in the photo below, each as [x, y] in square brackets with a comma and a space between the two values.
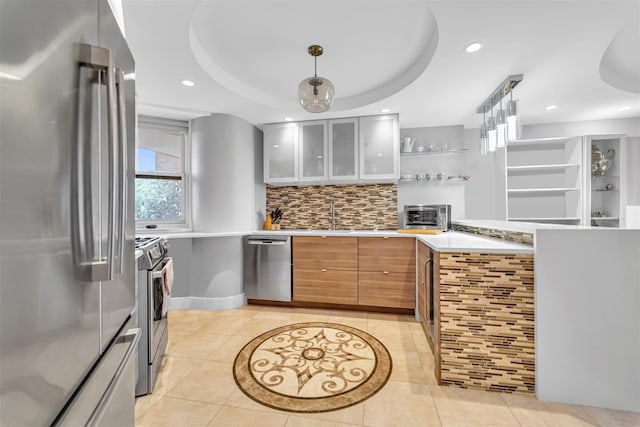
[418, 231]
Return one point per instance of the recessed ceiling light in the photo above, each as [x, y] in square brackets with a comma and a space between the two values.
[385, 110]
[550, 107]
[288, 119]
[188, 83]
[625, 108]
[473, 47]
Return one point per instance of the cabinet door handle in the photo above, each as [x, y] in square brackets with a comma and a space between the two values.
[324, 237]
[385, 272]
[323, 270]
[426, 262]
[385, 237]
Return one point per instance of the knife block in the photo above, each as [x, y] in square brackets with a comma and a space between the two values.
[269, 225]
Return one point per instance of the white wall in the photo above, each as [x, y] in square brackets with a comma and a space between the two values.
[485, 195]
[632, 179]
[449, 164]
[227, 189]
[587, 311]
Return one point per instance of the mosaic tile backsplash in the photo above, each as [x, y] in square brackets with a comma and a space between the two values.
[513, 236]
[357, 207]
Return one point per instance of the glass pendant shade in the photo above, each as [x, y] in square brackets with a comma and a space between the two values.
[513, 121]
[492, 134]
[501, 128]
[316, 94]
[483, 140]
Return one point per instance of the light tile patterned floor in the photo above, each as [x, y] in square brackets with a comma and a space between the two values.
[196, 388]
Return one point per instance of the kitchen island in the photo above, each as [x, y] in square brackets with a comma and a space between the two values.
[587, 311]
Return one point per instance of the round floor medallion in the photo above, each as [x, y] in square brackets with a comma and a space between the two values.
[312, 367]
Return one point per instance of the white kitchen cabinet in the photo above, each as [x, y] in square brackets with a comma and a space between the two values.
[343, 149]
[379, 147]
[281, 153]
[350, 150]
[313, 150]
[545, 180]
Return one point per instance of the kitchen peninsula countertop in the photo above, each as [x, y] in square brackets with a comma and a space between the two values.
[451, 241]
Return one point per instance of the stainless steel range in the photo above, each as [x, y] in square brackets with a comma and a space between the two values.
[152, 269]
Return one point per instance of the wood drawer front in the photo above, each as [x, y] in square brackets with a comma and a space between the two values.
[397, 290]
[335, 253]
[392, 254]
[331, 286]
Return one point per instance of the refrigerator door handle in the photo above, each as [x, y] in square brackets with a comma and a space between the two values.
[122, 170]
[88, 266]
[114, 155]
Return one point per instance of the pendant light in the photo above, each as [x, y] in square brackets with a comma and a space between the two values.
[492, 133]
[483, 136]
[513, 121]
[501, 126]
[316, 93]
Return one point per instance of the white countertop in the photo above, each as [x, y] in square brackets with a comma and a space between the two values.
[451, 241]
[197, 234]
[454, 241]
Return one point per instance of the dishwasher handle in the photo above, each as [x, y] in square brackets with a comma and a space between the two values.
[267, 242]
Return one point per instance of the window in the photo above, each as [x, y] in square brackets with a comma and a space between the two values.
[161, 188]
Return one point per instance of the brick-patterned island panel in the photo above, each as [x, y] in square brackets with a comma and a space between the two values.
[487, 321]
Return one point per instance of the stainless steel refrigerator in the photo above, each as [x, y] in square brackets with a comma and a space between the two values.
[67, 286]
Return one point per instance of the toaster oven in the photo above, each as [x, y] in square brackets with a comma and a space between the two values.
[427, 217]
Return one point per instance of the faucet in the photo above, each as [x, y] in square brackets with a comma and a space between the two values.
[332, 212]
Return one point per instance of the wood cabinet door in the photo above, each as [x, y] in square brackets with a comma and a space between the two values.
[424, 254]
[331, 253]
[387, 289]
[325, 285]
[397, 254]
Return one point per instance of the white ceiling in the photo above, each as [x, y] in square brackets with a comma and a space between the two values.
[247, 57]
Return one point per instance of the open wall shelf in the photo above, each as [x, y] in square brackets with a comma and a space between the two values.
[550, 180]
[544, 180]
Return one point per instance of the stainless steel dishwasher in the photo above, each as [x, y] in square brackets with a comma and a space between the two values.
[267, 268]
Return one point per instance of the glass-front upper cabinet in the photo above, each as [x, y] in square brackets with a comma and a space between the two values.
[313, 150]
[280, 152]
[379, 147]
[343, 149]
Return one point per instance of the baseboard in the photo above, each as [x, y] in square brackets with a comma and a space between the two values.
[207, 304]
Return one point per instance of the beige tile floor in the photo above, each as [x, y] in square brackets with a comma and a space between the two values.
[195, 385]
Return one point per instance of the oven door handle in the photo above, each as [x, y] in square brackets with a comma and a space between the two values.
[160, 273]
